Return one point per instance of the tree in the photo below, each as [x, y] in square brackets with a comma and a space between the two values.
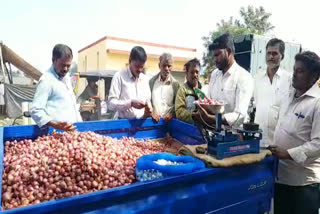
[253, 20]
[256, 19]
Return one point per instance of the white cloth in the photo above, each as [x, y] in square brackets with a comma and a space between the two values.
[125, 88]
[162, 96]
[235, 88]
[54, 100]
[2, 94]
[298, 132]
[205, 89]
[268, 99]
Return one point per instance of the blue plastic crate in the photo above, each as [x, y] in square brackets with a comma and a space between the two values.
[214, 190]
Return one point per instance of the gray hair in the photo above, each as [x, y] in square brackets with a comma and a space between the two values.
[165, 57]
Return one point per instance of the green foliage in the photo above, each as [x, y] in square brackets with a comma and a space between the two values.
[256, 19]
[253, 21]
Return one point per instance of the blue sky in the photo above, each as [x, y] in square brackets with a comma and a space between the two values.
[31, 28]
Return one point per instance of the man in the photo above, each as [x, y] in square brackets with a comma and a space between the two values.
[184, 103]
[229, 83]
[297, 141]
[164, 89]
[129, 93]
[54, 103]
[91, 90]
[271, 87]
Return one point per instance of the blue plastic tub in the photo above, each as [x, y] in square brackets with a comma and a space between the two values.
[245, 189]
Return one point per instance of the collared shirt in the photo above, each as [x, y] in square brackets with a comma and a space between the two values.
[125, 88]
[298, 132]
[235, 88]
[162, 96]
[54, 100]
[268, 97]
[184, 103]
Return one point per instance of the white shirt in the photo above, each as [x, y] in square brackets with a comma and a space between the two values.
[1, 94]
[235, 88]
[54, 100]
[162, 96]
[298, 132]
[205, 89]
[124, 88]
[268, 98]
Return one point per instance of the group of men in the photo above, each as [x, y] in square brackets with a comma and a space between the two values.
[287, 106]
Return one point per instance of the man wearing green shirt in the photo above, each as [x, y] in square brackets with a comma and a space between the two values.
[184, 105]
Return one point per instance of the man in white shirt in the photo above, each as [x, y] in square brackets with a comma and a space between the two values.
[297, 141]
[54, 103]
[164, 89]
[129, 93]
[230, 83]
[271, 87]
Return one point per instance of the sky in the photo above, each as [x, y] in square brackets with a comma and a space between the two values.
[31, 28]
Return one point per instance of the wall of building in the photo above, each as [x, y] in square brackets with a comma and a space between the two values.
[116, 61]
[93, 58]
[110, 53]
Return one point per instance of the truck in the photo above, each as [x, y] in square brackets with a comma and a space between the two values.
[238, 189]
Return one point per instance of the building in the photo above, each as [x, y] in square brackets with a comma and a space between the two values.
[112, 53]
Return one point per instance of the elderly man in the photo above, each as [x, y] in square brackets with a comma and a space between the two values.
[271, 87]
[54, 103]
[129, 93]
[297, 141]
[185, 107]
[164, 89]
[229, 83]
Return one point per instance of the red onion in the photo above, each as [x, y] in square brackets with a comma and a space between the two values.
[70, 163]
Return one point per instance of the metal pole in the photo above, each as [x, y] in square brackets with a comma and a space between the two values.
[2, 64]
[218, 122]
[9, 77]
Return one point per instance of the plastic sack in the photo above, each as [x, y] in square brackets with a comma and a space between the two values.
[148, 169]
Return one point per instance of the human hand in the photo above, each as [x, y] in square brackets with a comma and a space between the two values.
[62, 126]
[155, 117]
[167, 117]
[279, 152]
[147, 111]
[138, 104]
[209, 118]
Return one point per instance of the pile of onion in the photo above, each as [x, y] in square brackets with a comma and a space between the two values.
[69, 163]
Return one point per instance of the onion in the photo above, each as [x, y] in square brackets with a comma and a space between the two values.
[69, 163]
[6, 197]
